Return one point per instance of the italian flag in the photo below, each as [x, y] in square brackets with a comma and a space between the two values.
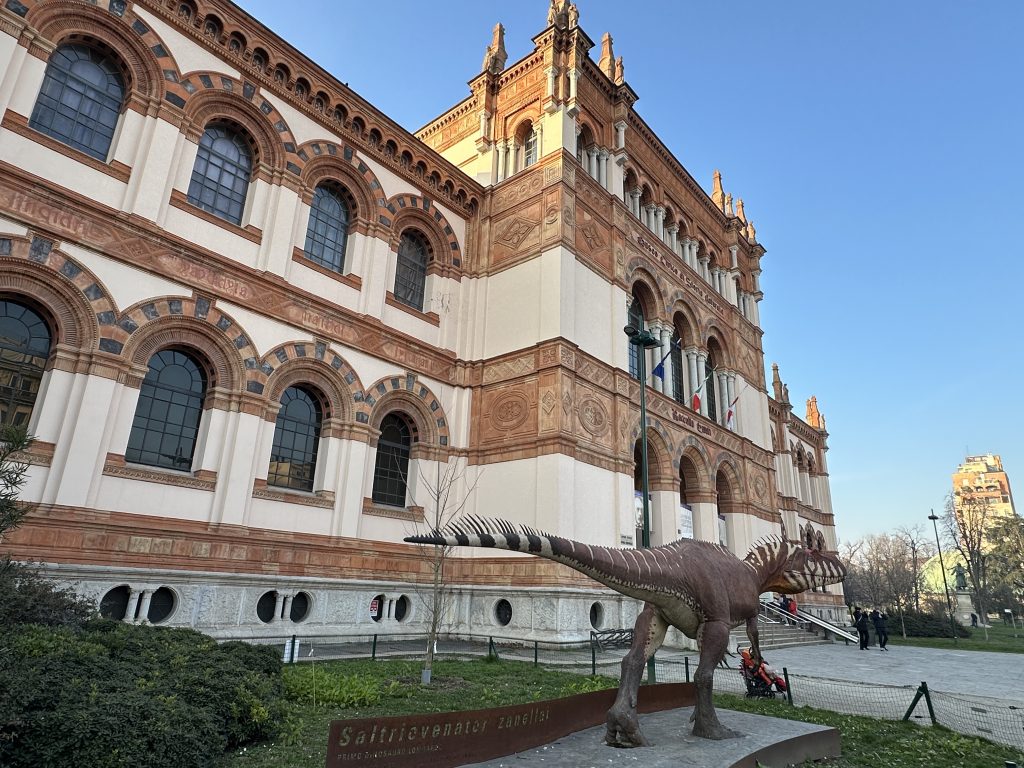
[696, 392]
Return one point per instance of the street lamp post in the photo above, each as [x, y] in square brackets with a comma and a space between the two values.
[644, 340]
[945, 584]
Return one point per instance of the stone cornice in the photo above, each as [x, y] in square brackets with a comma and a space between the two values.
[234, 19]
[66, 215]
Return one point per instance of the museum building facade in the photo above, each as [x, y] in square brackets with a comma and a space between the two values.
[252, 323]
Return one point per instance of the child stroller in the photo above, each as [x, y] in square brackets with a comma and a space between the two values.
[759, 679]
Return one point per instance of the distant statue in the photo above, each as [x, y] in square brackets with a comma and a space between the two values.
[620, 73]
[574, 15]
[960, 574]
[558, 14]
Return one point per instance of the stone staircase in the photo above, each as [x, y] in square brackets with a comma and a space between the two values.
[776, 636]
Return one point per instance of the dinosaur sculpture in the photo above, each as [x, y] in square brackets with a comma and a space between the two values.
[698, 587]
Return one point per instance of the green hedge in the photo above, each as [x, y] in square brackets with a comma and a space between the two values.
[925, 625]
[28, 597]
[114, 695]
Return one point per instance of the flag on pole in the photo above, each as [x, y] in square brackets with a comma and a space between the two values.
[730, 416]
[696, 392]
[659, 369]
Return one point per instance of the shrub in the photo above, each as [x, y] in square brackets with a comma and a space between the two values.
[112, 695]
[925, 625]
[306, 683]
[29, 597]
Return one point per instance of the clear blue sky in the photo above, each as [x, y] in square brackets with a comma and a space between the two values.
[878, 148]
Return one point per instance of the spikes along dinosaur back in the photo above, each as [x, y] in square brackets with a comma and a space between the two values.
[698, 587]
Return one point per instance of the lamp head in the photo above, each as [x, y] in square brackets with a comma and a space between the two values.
[631, 330]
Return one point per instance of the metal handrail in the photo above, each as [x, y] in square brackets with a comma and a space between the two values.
[811, 619]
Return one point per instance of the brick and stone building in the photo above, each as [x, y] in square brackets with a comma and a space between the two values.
[249, 318]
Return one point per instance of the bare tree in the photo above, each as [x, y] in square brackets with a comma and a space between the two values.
[921, 550]
[899, 567]
[967, 521]
[447, 494]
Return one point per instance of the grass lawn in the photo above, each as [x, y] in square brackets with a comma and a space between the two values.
[1000, 638]
[457, 685]
[356, 689]
[871, 743]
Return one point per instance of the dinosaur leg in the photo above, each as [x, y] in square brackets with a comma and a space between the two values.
[623, 724]
[705, 720]
[755, 645]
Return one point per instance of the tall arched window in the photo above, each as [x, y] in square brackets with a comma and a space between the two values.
[677, 367]
[220, 177]
[530, 148]
[636, 319]
[391, 471]
[81, 99]
[411, 274]
[710, 386]
[24, 348]
[296, 437]
[327, 232]
[167, 417]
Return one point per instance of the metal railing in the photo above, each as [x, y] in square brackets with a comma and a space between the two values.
[779, 615]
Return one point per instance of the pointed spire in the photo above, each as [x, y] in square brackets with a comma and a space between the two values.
[558, 14]
[496, 56]
[620, 73]
[740, 212]
[776, 383]
[717, 196]
[607, 61]
[814, 416]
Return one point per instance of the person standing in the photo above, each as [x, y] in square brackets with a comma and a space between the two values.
[862, 629]
[880, 620]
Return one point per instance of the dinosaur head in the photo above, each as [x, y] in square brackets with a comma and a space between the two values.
[788, 567]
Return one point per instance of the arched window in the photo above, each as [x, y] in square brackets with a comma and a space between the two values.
[220, 177]
[391, 471]
[677, 367]
[710, 386]
[327, 232]
[167, 417]
[411, 274]
[530, 148]
[81, 99]
[636, 319]
[296, 437]
[24, 348]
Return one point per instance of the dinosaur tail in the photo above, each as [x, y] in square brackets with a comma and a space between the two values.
[631, 571]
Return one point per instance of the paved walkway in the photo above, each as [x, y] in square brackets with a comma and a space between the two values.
[974, 673]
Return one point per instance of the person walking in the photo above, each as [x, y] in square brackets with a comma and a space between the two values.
[880, 620]
[862, 629]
